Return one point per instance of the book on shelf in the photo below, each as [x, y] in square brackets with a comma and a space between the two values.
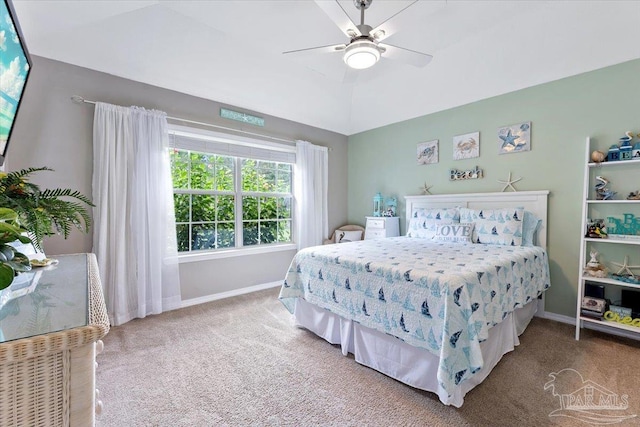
[591, 314]
[624, 236]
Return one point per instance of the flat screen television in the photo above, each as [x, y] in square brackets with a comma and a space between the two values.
[15, 66]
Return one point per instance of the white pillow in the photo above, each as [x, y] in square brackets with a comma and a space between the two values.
[438, 214]
[342, 236]
[495, 226]
[423, 221]
[425, 228]
[459, 232]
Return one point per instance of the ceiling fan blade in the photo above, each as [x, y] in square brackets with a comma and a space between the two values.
[337, 14]
[388, 27]
[417, 59]
[319, 49]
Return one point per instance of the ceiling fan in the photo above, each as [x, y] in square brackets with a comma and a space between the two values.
[364, 48]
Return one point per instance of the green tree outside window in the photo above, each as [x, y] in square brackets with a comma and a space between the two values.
[205, 194]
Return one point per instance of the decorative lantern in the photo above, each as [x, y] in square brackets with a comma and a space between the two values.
[377, 204]
[391, 204]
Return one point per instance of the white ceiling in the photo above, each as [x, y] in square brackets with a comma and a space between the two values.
[231, 51]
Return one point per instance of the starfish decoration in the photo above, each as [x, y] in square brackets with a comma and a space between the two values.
[509, 183]
[509, 139]
[625, 267]
[425, 188]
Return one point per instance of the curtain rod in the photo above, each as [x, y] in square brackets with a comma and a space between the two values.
[79, 100]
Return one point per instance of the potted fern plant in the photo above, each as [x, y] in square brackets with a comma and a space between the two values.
[43, 212]
[12, 262]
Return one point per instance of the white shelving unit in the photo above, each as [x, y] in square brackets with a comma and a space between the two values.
[592, 170]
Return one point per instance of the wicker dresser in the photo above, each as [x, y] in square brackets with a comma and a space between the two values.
[50, 331]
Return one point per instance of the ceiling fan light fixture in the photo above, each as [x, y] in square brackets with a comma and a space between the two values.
[361, 54]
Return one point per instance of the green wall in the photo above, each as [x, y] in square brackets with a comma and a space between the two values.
[601, 104]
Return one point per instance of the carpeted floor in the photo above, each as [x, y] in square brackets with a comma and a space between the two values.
[240, 362]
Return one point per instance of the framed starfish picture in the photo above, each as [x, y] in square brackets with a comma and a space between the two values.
[514, 138]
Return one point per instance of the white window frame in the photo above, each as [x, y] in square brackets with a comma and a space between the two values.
[239, 141]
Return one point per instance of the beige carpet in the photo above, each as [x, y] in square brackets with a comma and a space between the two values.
[239, 361]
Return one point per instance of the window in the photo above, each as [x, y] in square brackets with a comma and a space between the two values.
[266, 202]
[229, 201]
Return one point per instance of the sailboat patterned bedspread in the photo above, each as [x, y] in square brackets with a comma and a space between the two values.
[443, 297]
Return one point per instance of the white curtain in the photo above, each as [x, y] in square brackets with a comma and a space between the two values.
[312, 178]
[134, 235]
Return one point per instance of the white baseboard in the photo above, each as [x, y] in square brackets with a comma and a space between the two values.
[558, 318]
[588, 325]
[228, 294]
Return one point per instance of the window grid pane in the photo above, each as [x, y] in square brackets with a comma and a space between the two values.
[205, 200]
[202, 171]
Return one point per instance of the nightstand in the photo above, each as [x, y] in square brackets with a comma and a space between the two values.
[382, 226]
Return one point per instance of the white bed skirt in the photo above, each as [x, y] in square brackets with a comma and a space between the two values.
[411, 365]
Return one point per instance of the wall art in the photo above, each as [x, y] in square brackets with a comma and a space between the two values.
[466, 146]
[428, 152]
[514, 138]
[456, 175]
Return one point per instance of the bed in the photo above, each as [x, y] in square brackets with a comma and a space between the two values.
[436, 309]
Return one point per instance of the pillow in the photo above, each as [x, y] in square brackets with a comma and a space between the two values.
[452, 214]
[342, 236]
[423, 221]
[425, 228]
[529, 226]
[458, 232]
[495, 226]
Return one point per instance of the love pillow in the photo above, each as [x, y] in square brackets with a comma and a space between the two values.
[459, 233]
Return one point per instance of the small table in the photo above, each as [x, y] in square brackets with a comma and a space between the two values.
[381, 226]
[51, 321]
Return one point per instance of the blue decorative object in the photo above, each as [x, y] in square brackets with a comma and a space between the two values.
[241, 117]
[626, 278]
[392, 205]
[625, 150]
[602, 192]
[613, 154]
[635, 153]
[378, 204]
[628, 225]
[628, 136]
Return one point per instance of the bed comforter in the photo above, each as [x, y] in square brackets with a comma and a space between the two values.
[443, 297]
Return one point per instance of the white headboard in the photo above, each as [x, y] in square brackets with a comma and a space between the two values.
[533, 201]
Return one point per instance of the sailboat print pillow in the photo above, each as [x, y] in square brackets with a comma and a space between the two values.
[424, 221]
[495, 226]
